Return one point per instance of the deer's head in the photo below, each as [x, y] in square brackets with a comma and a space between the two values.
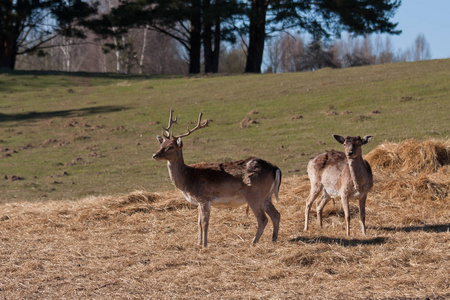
[170, 145]
[352, 144]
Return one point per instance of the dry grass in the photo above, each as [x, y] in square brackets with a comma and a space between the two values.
[412, 169]
[143, 245]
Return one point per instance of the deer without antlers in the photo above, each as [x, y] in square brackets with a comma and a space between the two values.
[346, 175]
[251, 181]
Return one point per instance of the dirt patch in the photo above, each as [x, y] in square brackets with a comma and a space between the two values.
[120, 129]
[245, 123]
[13, 177]
[296, 117]
[48, 142]
[408, 98]
[361, 118]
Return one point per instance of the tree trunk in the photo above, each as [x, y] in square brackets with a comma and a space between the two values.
[207, 35]
[195, 42]
[144, 44]
[66, 49]
[257, 36]
[8, 43]
[216, 51]
[211, 40]
[8, 52]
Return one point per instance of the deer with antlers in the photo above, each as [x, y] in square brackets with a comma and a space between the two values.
[251, 181]
[345, 174]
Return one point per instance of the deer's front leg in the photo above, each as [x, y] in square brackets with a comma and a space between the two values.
[200, 227]
[345, 206]
[203, 222]
[362, 213]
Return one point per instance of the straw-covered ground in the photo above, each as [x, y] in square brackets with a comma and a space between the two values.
[144, 245]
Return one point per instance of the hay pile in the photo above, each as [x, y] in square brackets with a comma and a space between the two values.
[144, 245]
[99, 208]
[412, 169]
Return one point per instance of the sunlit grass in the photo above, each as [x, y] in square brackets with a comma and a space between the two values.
[102, 129]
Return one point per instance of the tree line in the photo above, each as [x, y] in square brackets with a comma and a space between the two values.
[177, 36]
[294, 53]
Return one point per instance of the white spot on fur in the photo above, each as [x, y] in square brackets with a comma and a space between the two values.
[189, 198]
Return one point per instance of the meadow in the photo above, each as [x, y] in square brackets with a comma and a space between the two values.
[86, 213]
[72, 136]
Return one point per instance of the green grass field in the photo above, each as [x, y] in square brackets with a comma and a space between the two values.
[68, 136]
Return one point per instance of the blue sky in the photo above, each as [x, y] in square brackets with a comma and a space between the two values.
[428, 17]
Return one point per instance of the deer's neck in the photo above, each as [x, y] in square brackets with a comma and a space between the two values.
[358, 172]
[178, 173]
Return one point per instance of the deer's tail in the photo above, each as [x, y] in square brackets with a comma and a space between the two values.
[276, 183]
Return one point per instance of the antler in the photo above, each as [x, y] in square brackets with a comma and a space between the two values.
[200, 125]
[171, 122]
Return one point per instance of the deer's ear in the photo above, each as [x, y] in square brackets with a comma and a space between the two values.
[366, 139]
[339, 138]
[160, 139]
[179, 143]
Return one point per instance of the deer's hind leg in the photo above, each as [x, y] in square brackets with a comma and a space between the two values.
[274, 215]
[320, 205]
[261, 218]
[315, 191]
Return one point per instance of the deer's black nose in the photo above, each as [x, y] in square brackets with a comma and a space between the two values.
[154, 156]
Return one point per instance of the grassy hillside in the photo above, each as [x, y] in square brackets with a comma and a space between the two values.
[70, 136]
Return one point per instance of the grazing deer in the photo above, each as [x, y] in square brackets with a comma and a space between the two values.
[252, 181]
[346, 175]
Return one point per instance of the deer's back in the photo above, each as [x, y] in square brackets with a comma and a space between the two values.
[232, 181]
[327, 161]
[247, 171]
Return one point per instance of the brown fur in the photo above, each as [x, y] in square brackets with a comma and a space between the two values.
[346, 175]
[251, 181]
[329, 157]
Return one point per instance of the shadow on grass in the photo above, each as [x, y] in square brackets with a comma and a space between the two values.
[341, 242]
[60, 113]
[427, 228]
[18, 81]
[86, 74]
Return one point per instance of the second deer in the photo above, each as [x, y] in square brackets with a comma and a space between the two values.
[251, 181]
[338, 174]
